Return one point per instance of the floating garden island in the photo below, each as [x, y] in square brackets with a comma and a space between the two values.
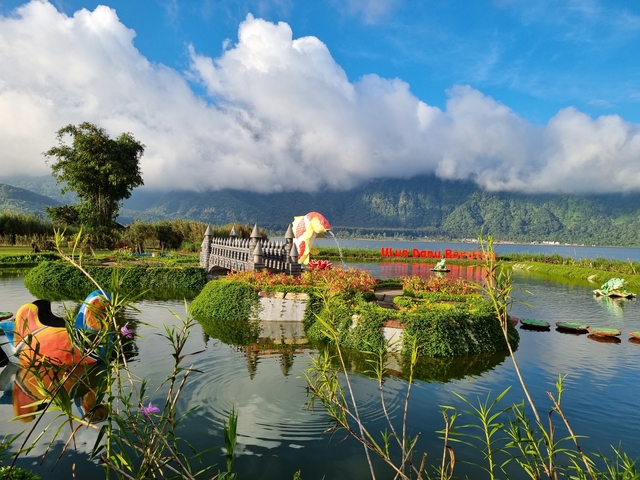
[442, 317]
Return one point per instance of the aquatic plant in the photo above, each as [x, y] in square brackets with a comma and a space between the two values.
[511, 444]
[139, 435]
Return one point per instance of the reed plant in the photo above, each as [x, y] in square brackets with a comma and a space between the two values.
[137, 437]
[511, 443]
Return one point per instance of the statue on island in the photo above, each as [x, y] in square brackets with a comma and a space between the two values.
[441, 266]
[615, 287]
[305, 230]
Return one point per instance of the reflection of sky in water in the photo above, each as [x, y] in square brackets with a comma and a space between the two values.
[277, 436]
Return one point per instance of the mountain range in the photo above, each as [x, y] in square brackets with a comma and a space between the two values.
[420, 207]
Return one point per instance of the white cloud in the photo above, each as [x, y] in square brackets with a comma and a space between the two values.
[282, 115]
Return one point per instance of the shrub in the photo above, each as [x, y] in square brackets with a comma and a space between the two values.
[17, 473]
[60, 281]
[226, 300]
[453, 330]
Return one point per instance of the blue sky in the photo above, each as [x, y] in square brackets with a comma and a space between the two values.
[517, 95]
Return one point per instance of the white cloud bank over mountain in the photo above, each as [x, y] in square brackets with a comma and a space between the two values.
[280, 114]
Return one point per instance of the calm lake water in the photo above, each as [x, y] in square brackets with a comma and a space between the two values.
[569, 251]
[277, 436]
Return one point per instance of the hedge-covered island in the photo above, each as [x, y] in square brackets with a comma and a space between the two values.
[58, 280]
[446, 318]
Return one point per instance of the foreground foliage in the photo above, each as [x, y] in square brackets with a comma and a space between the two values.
[137, 436]
[511, 444]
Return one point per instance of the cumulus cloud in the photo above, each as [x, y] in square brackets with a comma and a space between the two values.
[280, 114]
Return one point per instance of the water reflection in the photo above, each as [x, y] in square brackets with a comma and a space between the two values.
[25, 388]
[406, 269]
[613, 305]
[231, 332]
[427, 369]
[601, 339]
[278, 436]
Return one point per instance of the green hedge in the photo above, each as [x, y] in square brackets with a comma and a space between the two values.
[225, 300]
[61, 281]
[442, 325]
[465, 326]
[454, 330]
[225, 309]
[26, 260]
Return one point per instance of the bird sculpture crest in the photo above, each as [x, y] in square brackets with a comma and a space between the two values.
[305, 230]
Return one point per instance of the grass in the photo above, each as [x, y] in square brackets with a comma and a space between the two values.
[584, 274]
[21, 258]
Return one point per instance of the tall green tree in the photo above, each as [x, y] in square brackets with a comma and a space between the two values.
[101, 171]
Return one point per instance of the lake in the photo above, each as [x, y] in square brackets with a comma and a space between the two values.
[278, 436]
[569, 251]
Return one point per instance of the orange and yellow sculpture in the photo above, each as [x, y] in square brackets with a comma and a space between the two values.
[37, 335]
[305, 230]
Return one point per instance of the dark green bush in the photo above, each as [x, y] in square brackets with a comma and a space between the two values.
[227, 301]
[61, 281]
[26, 260]
[344, 312]
[446, 330]
[336, 311]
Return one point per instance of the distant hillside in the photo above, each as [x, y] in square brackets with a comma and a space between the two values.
[44, 185]
[15, 199]
[420, 207]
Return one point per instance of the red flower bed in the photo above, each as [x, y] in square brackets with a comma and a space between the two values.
[336, 280]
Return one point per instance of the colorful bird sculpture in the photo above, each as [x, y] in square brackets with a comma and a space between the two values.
[305, 230]
[36, 334]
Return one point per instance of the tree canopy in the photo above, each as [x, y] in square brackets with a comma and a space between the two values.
[101, 171]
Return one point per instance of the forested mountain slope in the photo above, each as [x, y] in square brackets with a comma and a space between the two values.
[419, 207]
[19, 200]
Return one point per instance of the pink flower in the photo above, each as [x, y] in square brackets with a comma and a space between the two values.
[148, 410]
[127, 332]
